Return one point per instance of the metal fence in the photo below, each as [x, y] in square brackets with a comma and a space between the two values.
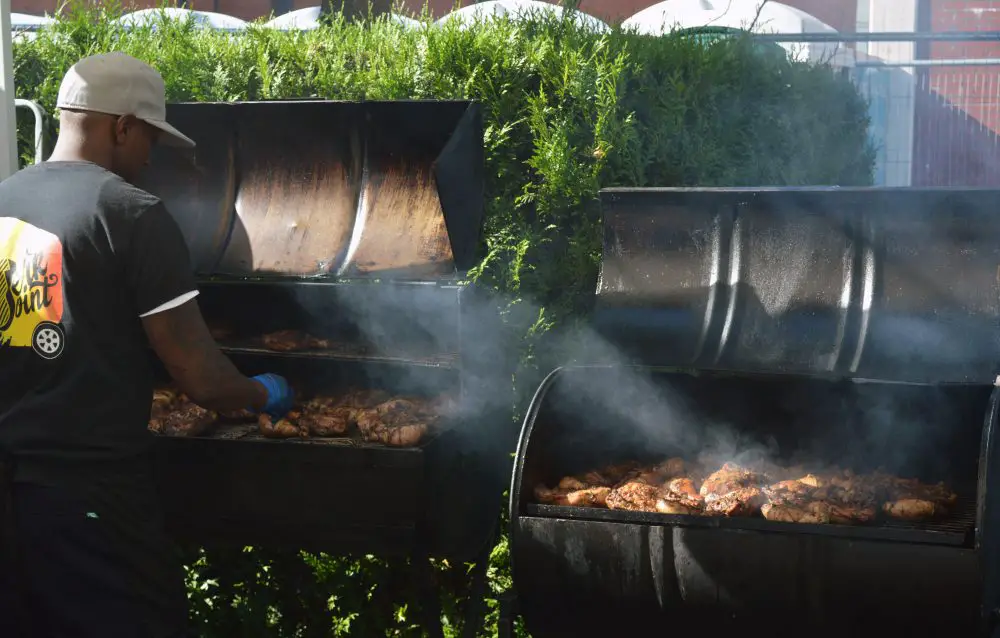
[934, 100]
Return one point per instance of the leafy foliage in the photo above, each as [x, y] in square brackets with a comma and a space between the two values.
[567, 112]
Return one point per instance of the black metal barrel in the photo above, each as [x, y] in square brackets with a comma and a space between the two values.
[354, 222]
[849, 327]
[891, 284]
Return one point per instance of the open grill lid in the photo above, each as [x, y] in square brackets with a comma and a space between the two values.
[898, 285]
[322, 188]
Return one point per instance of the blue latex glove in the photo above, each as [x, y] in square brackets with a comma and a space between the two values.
[279, 394]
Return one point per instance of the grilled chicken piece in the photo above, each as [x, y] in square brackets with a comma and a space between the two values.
[173, 414]
[286, 428]
[333, 422]
[399, 435]
[729, 478]
[589, 497]
[634, 496]
[817, 512]
[912, 509]
[595, 496]
[399, 422]
[669, 505]
[292, 341]
[610, 475]
[188, 420]
[684, 487]
[680, 496]
[745, 501]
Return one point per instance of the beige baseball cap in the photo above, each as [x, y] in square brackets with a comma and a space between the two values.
[118, 84]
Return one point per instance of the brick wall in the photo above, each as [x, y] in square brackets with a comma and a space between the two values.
[957, 114]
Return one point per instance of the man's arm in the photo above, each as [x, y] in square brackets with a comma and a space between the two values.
[184, 344]
[158, 268]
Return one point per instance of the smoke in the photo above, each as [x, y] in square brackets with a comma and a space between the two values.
[609, 407]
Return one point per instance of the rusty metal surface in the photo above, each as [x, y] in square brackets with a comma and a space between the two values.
[297, 198]
[313, 188]
[890, 284]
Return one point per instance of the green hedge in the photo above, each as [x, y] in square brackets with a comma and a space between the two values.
[567, 112]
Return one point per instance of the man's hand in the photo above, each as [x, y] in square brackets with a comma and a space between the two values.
[279, 394]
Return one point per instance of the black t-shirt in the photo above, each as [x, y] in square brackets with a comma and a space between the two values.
[83, 255]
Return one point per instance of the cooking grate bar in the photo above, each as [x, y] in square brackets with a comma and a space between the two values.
[956, 530]
[251, 432]
[350, 353]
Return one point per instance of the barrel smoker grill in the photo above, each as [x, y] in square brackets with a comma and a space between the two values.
[846, 326]
[352, 222]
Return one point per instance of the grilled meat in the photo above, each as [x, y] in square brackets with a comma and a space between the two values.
[174, 414]
[398, 435]
[186, 419]
[399, 422]
[745, 501]
[292, 341]
[729, 478]
[835, 496]
[684, 487]
[331, 422]
[680, 496]
[908, 499]
[634, 496]
[286, 428]
[806, 512]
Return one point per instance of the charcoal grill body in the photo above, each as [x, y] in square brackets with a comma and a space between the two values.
[856, 326]
[353, 222]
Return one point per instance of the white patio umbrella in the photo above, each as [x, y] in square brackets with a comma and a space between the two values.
[308, 18]
[519, 9]
[203, 19]
[759, 16]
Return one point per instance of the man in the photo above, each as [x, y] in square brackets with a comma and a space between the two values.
[93, 271]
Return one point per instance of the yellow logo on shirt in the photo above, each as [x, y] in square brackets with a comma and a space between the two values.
[31, 288]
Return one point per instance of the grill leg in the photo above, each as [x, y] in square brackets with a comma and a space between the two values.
[427, 594]
[508, 613]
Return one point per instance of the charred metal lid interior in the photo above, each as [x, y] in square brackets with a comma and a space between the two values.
[885, 284]
[321, 188]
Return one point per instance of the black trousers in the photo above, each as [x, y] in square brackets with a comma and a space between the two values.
[77, 565]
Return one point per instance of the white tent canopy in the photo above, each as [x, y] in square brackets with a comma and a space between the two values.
[298, 20]
[518, 9]
[203, 19]
[307, 19]
[758, 16]
[22, 20]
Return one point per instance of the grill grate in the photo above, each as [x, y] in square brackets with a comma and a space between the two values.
[250, 432]
[958, 529]
[351, 352]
